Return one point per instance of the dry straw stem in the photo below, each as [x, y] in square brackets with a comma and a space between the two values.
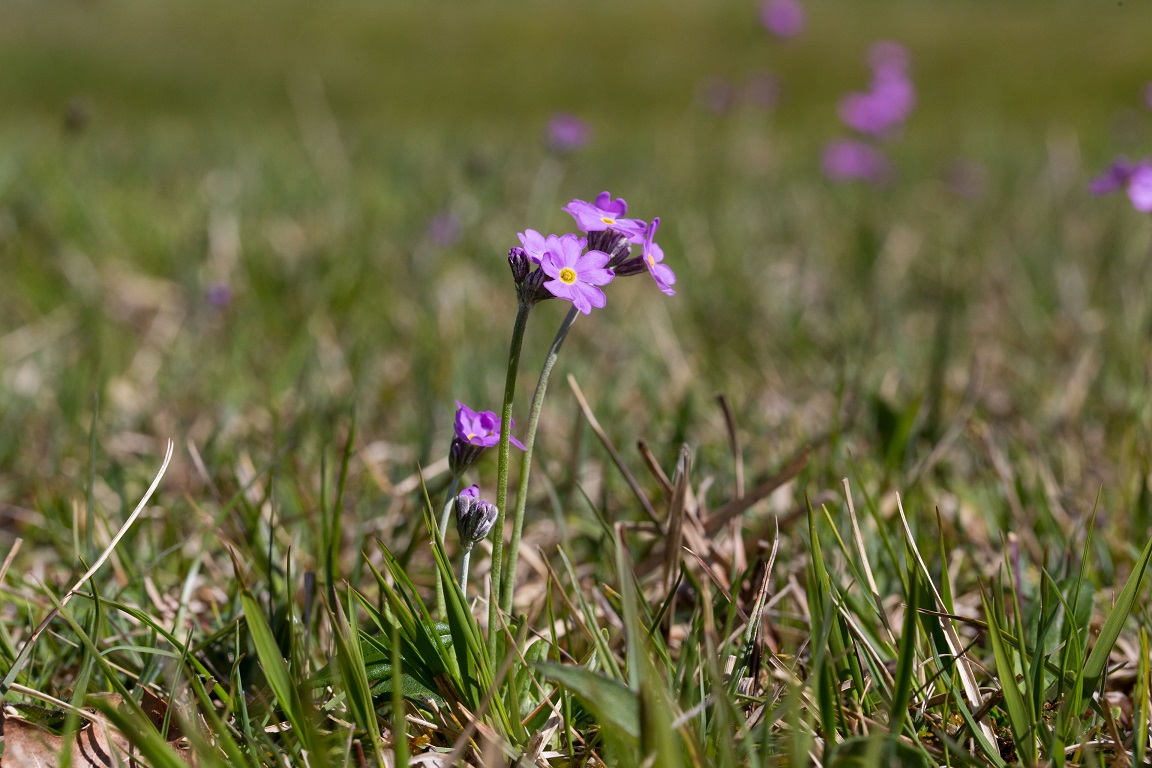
[26, 651]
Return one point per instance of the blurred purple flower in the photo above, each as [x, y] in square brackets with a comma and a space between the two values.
[219, 295]
[1134, 178]
[568, 133]
[890, 97]
[1113, 179]
[783, 18]
[575, 274]
[1140, 187]
[480, 429]
[444, 229]
[653, 258]
[762, 90]
[848, 159]
[605, 213]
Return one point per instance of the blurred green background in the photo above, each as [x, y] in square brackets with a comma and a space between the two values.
[298, 152]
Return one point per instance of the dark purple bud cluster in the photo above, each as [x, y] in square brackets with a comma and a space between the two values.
[474, 517]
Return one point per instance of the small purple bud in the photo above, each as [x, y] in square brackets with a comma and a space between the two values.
[783, 18]
[611, 242]
[520, 263]
[474, 518]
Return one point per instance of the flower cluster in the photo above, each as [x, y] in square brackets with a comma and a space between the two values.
[1134, 178]
[574, 268]
[877, 113]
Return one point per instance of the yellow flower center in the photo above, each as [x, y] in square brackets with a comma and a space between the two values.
[567, 275]
[651, 260]
[471, 435]
[607, 220]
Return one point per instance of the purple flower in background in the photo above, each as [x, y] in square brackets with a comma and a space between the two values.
[1113, 179]
[568, 133]
[890, 97]
[219, 295]
[783, 18]
[480, 429]
[1140, 187]
[575, 274]
[848, 159]
[605, 213]
[444, 229]
[653, 258]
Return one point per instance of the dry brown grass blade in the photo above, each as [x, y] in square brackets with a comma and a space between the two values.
[603, 438]
[736, 507]
[654, 467]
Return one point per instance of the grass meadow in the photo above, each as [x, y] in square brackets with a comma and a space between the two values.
[873, 488]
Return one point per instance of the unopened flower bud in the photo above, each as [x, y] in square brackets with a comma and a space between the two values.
[520, 263]
[532, 291]
[474, 517]
[611, 242]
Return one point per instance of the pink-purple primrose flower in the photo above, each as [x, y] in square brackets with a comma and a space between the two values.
[1134, 178]
[653, 259]
[885, 106]
[604, 213]
[576, 274]
[475, 432]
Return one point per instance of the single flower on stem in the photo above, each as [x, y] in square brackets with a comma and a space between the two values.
[605, 213]
[474, 433]
[654, 258]
[474, 520]
[575, 274]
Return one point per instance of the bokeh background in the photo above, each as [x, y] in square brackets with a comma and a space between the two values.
[236, 222]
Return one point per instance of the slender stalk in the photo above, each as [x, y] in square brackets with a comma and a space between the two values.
[464, 571]
[502, 473]
[453, 487]
[509, 585]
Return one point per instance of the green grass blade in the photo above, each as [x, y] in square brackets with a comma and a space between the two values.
[1098, 658]
[1014, 697]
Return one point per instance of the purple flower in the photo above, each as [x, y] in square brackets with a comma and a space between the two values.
[219, 295]
[471, 492]
[534, 244]
[480, 429]
[1140, 187]
[783, 18]
[575, 274]
[848, 159]
[1114, 179]
[653, 258]
[605, 213]
[568, 133]
[444, 229]
[890, 97]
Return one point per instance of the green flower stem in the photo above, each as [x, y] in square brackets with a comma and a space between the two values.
[464, 571]
[509, 585]
[454, 486]
[502, 474]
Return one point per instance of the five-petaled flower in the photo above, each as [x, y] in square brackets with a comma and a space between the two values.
[653, 259]
[575, 274]
[605, 213]
[480, 429]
